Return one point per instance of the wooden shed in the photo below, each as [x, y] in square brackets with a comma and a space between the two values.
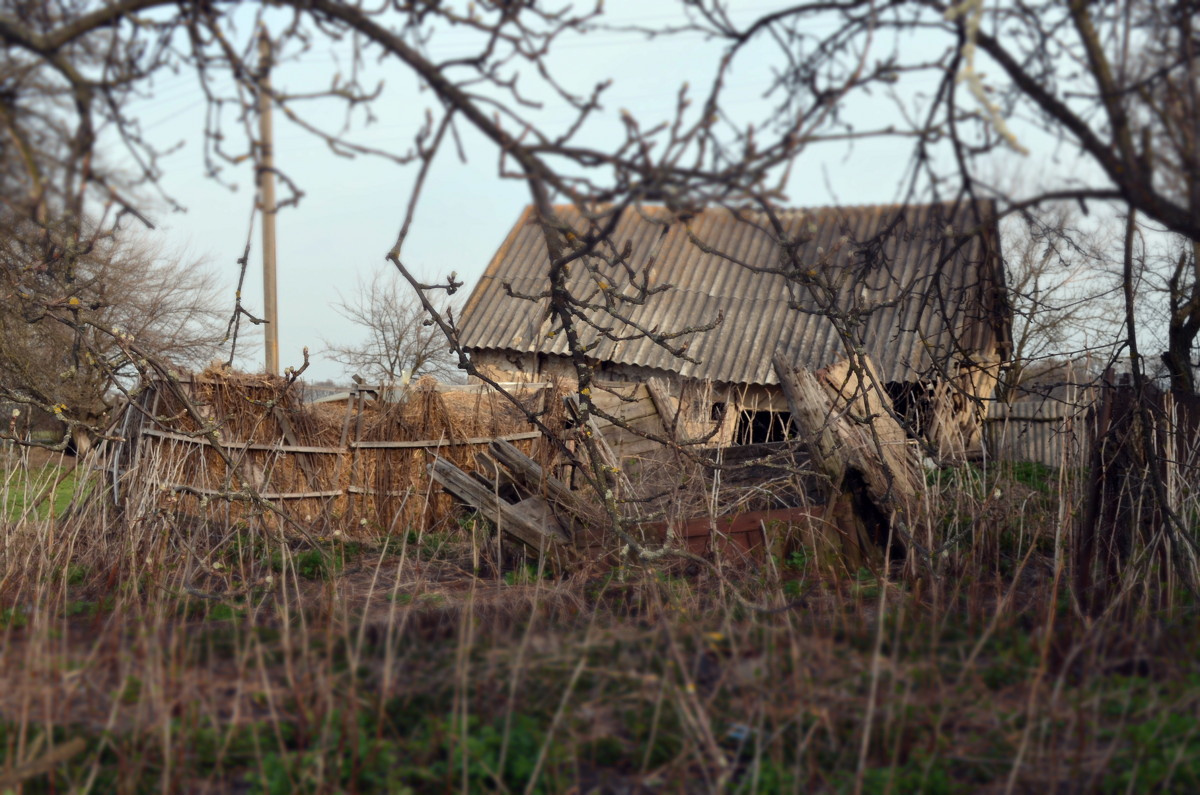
[919, 289]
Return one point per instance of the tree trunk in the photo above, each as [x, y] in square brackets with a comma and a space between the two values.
[81, 440]
[1184, 324]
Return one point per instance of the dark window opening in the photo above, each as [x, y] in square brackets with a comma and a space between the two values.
[718, 412]
[760, 427]
[911, 403]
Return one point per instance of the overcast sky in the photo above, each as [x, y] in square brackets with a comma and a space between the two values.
[352, 208]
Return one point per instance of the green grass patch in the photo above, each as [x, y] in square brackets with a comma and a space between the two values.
[28, 490]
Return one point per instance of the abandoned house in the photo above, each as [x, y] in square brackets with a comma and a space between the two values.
[919, 289]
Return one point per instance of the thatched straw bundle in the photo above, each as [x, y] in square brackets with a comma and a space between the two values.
[354, 483]
[404, 496]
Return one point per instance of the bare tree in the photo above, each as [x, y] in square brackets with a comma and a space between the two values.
[1183, 318]
[1170, 70]
[124, 296]
[400, 341]
[1063, 300]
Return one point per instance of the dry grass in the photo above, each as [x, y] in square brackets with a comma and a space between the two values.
[204, 656]
[198, 644]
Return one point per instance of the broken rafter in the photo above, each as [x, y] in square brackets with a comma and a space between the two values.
[530, 521]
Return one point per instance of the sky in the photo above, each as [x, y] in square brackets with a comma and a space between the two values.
[352, 208]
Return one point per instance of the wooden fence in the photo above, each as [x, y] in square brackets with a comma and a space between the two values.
[361, 462]
[1141, 494]
[214, 446]
[1049, 432]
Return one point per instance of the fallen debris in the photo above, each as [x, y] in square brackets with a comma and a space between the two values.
[531, 521]
[856, 444]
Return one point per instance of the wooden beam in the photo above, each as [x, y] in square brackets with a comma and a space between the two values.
[266, 495]
[511, 437]
[374, 493]
[812, 412]
[236, 445]
[627, 412]
[662, 400]
[527, 522]
[386, 445]
[533, 478]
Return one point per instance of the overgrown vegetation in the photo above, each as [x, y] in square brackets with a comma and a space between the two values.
[42, 488]
[252, 661]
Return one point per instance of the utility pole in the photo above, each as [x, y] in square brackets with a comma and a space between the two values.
[266, 186]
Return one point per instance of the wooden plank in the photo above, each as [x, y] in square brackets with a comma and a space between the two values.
[511, 437]
[535, 512]
[346, 422]
[354, 456]
[374, 493]
[387, 445]
[665, 405]
[640, 447]
[612, 389]
[532, 477]
[621, 448]
[266, 495]
[626, 395]
[630, 412]
[648, 426]
[487, 466]
[619, 437]
[637, 420]
[537, 530]
[529, 473]
[235, 445]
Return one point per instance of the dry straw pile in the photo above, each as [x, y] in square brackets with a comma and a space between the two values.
[214, 442]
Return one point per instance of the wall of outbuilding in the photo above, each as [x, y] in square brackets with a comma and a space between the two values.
[949, 413]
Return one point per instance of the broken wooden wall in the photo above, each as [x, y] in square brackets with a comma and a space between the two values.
[958, 407]
[633, 407]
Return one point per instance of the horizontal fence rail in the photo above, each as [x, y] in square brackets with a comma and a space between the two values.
[328, 465]
[285, 449]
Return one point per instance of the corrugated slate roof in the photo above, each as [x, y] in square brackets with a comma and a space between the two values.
[923, 292]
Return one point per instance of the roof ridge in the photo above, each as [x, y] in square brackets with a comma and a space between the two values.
[805, 208]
